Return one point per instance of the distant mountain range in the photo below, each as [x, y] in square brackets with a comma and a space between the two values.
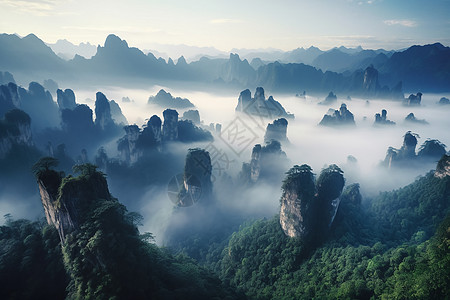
[420, 68]
[66, 50]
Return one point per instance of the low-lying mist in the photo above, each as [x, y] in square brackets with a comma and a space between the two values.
[317, 146]
[308, 143]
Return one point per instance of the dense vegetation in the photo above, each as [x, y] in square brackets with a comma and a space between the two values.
[104, 257]
[384, 251]
[395, 246]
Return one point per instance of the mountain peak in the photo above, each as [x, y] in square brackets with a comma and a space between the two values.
[114, 41]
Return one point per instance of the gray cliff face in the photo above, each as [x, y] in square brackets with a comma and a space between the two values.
[414, 100]
[245, 98]
[128, 149]
[406, 153]
[170, 126]
[197, 185]
[15, 128]
[260, 106]
[235, 70]
[430, 151]
[308, 208]
[6, 77]
[255, 163]
[338, 117]
[370, 83]
[276, 131]
[59, 217]
[330, 99]
[443, 167]
[103, 117]
[297, 202]
[192, 115]
[155, 125]
[408, 149]
[66, 200]
[329, 188]
[65, 99]
[9, 96]
[116, 113]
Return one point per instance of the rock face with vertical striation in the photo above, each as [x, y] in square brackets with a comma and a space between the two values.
[443, 167]
[192, 115]
[127, 146]
[66, 199]
[308, 207]
[267, 163]
[370, 83]
[170, 126]
[155, 125]
[103, 117]
[9, 98]
[297, 202]
[65, 99]
[197, 185]
[277, 130]
[15, 128]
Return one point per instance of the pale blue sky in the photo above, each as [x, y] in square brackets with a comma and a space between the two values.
[283, 24]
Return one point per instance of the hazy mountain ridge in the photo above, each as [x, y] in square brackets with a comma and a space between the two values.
[425, 67]
[66, 50]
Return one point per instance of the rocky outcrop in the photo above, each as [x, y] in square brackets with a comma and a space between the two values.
[338, 117]
[65, 200]
[410, 118]
[78, 121]
[444, 101]
[170, 125]
[308, 207]
[264, 164]
[381, 119]
[15, 128]
[370, 83]
[166, 100]
[39, 104]
[6, 77]
[103, 118]
[236, 70]
[297, 202]
[197, 185]
[9, 98]
[330, 99]
[430, 150]
[154, 124]
[192, 115]
[127, 146]
[259, 106]
[443, 167]
[65, 99]
[276, 131]
[116, 114]
[414, 100]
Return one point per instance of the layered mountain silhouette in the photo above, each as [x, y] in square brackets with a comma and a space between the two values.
[426, 68]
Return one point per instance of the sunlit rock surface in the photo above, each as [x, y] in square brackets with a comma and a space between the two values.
[308, 207]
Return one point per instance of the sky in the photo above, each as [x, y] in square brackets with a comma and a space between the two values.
[250, 24]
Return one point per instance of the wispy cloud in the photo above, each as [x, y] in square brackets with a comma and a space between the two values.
[405, 23]
[35, 7]
[225, 21]
[107, 29]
